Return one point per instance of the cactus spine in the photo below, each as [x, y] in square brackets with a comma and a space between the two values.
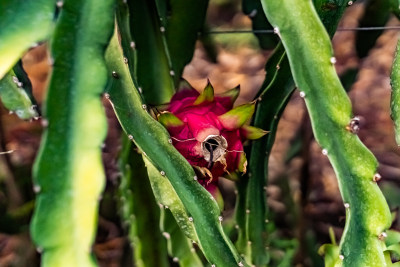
[68, 173]
[311, 60]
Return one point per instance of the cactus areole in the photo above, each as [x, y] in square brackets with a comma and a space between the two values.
[209, 132]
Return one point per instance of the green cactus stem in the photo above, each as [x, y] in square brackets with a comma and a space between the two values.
[182, 27]
[176, 223]
[23, 23]
[16, 94]
[153, 64]
[180, 248]
[271, 101]
[127, 43]
[311, 59]
[154, 142]
[68, 173]
[395, 98]
[139, 211]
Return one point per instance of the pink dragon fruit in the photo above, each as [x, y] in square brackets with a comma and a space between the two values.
[208, 132]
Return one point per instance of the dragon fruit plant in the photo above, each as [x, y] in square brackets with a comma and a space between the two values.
[132, 52]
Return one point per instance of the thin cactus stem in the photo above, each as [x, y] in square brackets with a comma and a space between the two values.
[68, 173]
[395, 97]
[271, 103]
[168, 199]
[139, 211]
[22, 25]
[311, 59]
[185, 22]
[127, 42]
[180, 248]
[16, 94]
[153, 68]
[153, 140]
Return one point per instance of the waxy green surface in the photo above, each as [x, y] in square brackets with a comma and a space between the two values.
[68, 173]
[311, 59]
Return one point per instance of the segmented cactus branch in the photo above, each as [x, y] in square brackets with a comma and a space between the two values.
[311, 59]
[68, 173]
[153, 140]
[271, 101]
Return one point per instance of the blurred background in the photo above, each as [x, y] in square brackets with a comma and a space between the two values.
[304, 198]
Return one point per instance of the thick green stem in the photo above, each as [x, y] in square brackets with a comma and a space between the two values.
[271, 102]
[311, 59]
[68, 173]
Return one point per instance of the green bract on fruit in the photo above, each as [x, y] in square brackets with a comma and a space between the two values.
[209, 132]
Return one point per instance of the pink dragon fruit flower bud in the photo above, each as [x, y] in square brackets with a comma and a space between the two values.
[209, 132]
